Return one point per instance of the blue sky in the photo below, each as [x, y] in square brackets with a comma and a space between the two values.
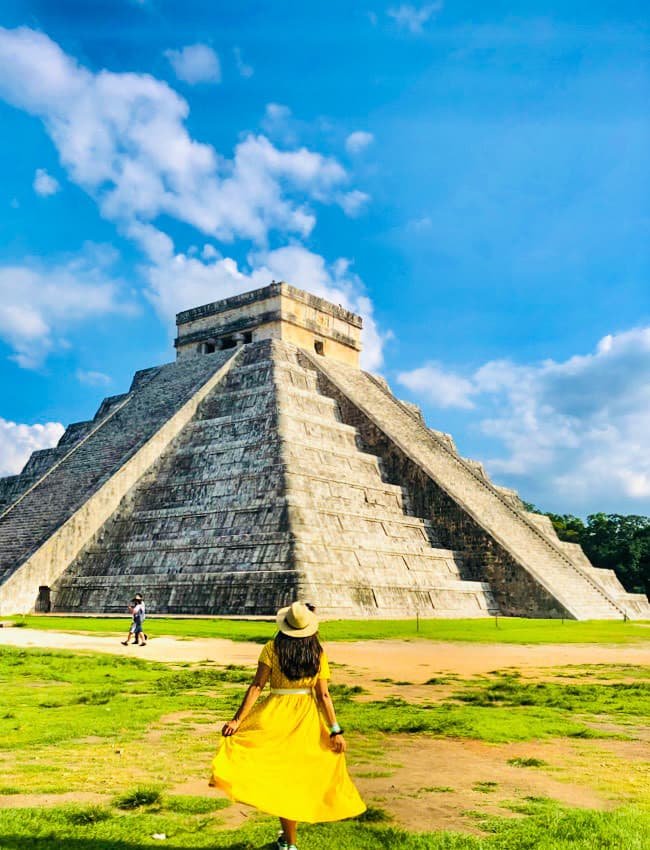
[474, 180]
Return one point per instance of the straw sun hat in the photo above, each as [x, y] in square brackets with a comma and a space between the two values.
[296, 620]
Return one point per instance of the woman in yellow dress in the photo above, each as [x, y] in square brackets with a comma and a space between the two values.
[285, 755]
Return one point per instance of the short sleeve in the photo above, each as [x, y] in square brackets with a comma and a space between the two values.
[324, 669]
[266, 655]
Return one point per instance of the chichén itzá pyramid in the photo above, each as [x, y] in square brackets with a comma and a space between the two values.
[264, 465]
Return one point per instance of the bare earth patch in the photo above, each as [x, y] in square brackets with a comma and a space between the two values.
[437, 783]
[415, 660]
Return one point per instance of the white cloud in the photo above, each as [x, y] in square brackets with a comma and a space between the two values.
[39, 303]
[245, 70]
[280, 125]
[353, 203]
[358, 141]
[44, 184]
[277, 112]
[93, 379]
[17, 442]
[439, 387]
[413, 18]
[573, 433]
[122, 137]
[196, 63]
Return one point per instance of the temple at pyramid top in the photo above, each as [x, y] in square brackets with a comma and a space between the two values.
[262, 466]
[278, 311]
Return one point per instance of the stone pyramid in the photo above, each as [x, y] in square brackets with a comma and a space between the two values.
[264, 465]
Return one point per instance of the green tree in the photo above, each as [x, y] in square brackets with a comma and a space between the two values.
[620, 543]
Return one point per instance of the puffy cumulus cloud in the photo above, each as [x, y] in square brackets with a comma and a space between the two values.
[574, 433]
[438, 386]
[358, 141]
[122, 137]
[413, 18]
[17, 442]
[38, 303]
[44, 184]
[178, 281]
[196, 63]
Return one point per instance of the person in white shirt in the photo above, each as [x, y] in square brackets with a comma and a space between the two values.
[138, 613]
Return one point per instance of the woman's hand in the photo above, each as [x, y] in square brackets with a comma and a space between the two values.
[337, 743]
[230, 728]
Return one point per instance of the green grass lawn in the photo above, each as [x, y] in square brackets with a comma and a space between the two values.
[501, 630]
[129, 730]
[545, 827]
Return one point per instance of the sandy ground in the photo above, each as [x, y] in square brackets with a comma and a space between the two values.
[401, 660]
[424, 783]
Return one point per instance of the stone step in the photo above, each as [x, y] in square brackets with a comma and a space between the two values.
[387, 556]
[391, 602]
[317, 489]
[254, 592]
[203, 528]
[249, 482]
[214, 542]
[174, 557]
[217, 510]
[306, 454]
[292, 401]
[411, 539]
[395, 525]
[228, 429]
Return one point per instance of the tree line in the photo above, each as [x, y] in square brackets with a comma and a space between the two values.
[613, 541]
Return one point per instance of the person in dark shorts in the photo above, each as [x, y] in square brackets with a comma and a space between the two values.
[137, 609]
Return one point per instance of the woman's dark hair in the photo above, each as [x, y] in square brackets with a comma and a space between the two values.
[299, 658]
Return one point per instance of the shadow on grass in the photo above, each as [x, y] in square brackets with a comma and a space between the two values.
[25, 842]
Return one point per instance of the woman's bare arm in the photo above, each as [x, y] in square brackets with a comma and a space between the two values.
[250, 698]
[337, 742]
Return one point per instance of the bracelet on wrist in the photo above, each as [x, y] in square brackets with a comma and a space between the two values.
[335, 730]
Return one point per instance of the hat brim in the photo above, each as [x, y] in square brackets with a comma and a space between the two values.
[287, 629]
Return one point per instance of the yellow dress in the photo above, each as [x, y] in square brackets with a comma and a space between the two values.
[280, 760]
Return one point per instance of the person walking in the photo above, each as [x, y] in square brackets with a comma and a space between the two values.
[286, 754]
[137, 610]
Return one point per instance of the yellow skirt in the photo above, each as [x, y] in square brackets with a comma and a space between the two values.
[280, 761]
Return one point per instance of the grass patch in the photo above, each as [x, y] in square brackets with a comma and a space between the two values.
[527, 762]
[146, 795]
[189, 805]
[494, 724]
[374, 814]
[376, 774]
[485, 787]
[84, 816]
[631, 698]
[504, 630]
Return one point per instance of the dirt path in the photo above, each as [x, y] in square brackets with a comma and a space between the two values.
[414, 661]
